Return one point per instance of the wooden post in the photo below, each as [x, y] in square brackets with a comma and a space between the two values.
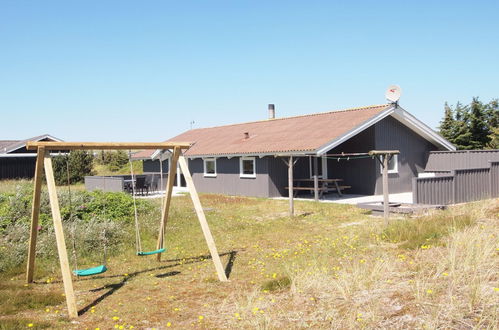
[290, 185]
[202, 220]
[386, 212]
[316, 179]
[59, 236]
[168, 197]
[35, 214]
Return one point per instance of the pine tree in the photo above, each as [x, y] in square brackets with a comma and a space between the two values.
[447, 125]
[462, 134]
[494, 139]
[478, 127]
[492, 114]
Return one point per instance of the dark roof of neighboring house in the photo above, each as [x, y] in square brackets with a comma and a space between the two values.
[444, 161]
[8, 146]
[307, 134]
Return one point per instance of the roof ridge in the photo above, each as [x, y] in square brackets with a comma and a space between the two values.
[298, 116]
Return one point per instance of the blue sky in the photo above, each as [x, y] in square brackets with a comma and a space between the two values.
[143, 70]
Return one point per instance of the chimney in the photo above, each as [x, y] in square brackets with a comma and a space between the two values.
[246, 135]
[271, 111]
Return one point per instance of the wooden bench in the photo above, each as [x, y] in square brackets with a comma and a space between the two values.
[311, 189]
[320, 189]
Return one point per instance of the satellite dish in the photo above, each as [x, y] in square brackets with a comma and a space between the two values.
[393, 93]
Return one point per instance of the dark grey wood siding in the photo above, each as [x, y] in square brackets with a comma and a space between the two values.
[391, 134]
[17, 168]
[228, 180]
[357, 173]
[152, 166]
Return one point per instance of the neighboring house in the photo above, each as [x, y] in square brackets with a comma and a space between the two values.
[16, 161]
[247, 159]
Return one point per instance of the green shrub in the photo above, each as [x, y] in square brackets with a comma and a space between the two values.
[79, 163]
[114, 160]
[86, 206]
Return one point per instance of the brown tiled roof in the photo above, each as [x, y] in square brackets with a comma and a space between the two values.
[282, 135]
[143, 154]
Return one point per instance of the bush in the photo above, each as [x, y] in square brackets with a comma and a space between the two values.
[86, 206]
[90, 219]
[79, 163]
[114, 160]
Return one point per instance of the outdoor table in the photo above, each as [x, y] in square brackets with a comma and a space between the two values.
[323, 185]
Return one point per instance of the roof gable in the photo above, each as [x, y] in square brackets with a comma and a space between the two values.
[10, 146]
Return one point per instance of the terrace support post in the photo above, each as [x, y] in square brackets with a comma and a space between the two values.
[386, 212]
[316, 179]
[35, 214]
[59, 236]
[202, 220]
[168, 197]
[290, 185]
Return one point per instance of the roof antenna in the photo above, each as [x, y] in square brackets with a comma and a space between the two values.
[192, 123]
[393, 93]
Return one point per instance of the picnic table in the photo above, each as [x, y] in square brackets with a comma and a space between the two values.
[325, 185]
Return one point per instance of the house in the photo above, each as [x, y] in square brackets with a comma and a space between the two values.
[16, 161]
[247, 158]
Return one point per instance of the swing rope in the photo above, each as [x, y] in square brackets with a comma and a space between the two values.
[89, 271]
[73, 231]
[138, 243]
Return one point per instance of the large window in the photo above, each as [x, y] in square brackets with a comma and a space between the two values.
[210, 167]
[247, 167]
[393, 164]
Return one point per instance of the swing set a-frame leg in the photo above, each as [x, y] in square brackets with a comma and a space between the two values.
[168, 198]
[202, 220]
[35, 215]
[59, 236]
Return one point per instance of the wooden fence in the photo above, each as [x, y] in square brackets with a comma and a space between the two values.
[463, 185]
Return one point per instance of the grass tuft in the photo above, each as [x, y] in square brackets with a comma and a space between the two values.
[22, 299]
[423, 232]
[14, 324]
[277, 284]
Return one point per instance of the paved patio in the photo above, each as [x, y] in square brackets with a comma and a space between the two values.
[353, 199]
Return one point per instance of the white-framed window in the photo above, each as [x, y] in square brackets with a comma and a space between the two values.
[210, 167]
[247, 167]
[393, 164]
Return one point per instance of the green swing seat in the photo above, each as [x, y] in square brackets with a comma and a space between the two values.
[90, 271]
[151, 252]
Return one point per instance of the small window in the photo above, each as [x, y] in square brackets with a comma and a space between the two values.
[210, 167]
[247, 167]
[393, 166]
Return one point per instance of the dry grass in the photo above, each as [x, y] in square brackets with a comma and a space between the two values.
[332, 267]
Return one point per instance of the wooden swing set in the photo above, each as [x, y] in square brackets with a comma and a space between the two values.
[44, 161]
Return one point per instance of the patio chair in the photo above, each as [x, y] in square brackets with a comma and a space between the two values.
[141, 185]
